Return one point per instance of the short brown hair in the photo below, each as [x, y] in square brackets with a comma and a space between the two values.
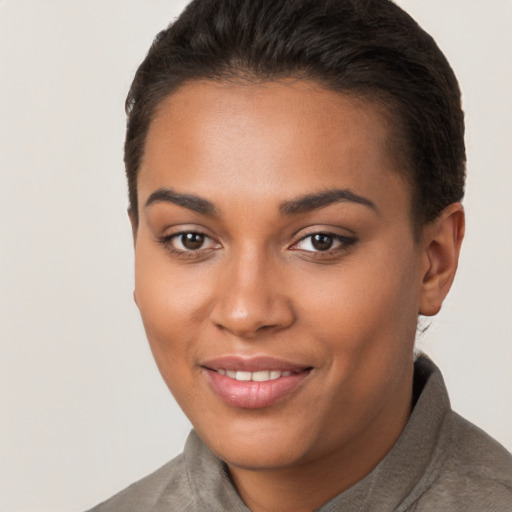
[370, 48]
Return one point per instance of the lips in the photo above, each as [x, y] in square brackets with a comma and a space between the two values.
[252, 383]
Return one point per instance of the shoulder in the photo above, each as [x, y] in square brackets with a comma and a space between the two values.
[476, 474]
[479, 453]
[194, 481]
[166, 489]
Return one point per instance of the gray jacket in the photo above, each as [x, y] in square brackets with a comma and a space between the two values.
[440, 463]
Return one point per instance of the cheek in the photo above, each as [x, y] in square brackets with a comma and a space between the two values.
[367, 304]
[171, 302]
[364, 321]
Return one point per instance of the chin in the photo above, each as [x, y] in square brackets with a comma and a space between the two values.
[253, 457]
[257, 446]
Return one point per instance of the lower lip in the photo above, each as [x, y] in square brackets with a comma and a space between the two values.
[254, 395]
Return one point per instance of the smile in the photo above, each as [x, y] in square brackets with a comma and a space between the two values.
[254, 383]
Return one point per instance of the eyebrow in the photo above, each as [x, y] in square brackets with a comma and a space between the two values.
[312, 202]
[189, 201]
[297, 206]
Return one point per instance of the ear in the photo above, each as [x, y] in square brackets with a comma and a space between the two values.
[134, 223]
[441, 241]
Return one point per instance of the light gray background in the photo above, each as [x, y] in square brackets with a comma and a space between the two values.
[83, 410]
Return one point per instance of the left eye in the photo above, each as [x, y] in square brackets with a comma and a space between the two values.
[191, 241]
[323, 242]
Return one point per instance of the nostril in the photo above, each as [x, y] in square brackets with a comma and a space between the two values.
[267, 327]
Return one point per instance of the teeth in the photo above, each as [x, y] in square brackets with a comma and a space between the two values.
[261, 376]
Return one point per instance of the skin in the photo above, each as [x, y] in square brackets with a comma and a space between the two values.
[257, 286]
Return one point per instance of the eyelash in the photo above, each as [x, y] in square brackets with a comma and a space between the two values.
[344, 242]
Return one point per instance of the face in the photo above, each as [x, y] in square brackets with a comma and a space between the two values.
[276, 270]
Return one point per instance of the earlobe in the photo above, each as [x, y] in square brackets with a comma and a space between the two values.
[441, 245]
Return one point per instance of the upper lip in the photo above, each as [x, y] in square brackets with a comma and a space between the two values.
[252, 364]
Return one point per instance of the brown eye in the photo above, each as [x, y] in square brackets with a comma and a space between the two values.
[192, 241]
[322, 242]
[189, 244]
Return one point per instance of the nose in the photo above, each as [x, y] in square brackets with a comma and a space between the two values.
[251, 298]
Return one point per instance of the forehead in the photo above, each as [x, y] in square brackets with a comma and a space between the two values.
[267, 140]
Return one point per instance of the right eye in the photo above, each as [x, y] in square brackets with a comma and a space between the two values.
[190, 241]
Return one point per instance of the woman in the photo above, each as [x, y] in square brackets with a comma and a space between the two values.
[295, 172]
